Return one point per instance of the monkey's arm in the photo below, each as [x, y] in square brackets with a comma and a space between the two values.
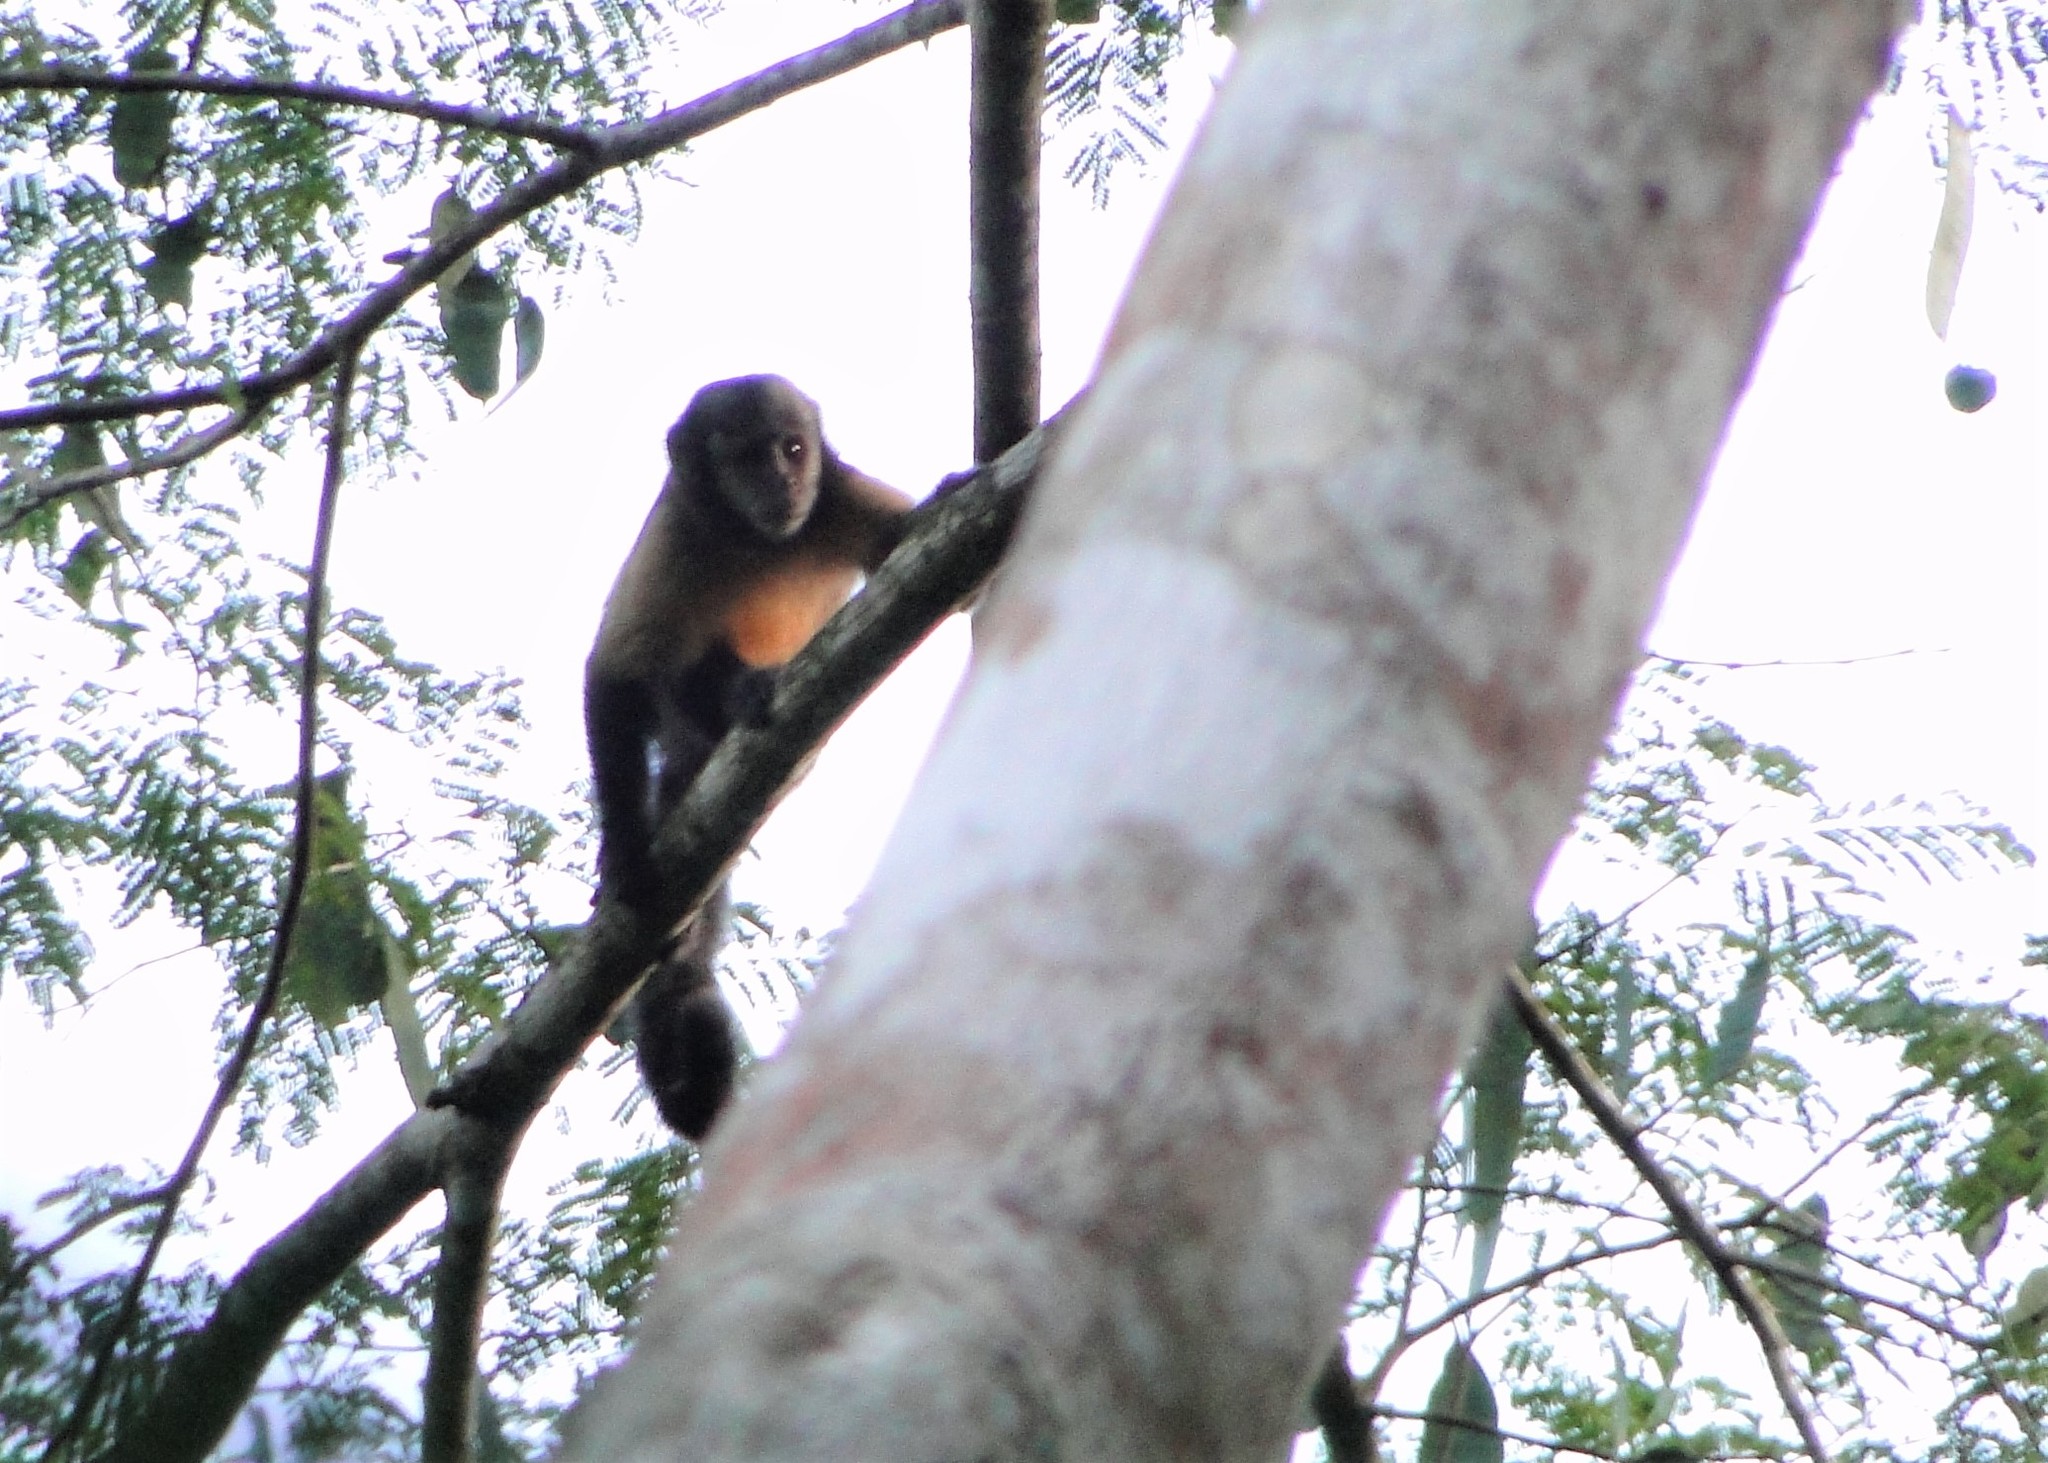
[619, 718]
[715, 693]
[873, 517]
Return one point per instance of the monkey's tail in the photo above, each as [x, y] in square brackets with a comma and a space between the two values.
[684, 1035]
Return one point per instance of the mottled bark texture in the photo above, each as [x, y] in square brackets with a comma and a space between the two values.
[1286, 696]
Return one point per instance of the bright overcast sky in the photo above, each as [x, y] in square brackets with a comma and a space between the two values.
[1852, 514]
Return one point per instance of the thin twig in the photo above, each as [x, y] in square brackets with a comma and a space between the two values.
[200, 32]
[287, 917]
[1535, 1195]
[1692, 1226]
[1796, 1276]
[312, 93]
[610, 148]
[188, 448]
[1760, 665]
[1412, 1271]
[1534, 1275]
[1554, 1445]
[115, 1208]
[1820, 1164]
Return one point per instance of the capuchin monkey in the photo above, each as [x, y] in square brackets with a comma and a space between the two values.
[758, 535]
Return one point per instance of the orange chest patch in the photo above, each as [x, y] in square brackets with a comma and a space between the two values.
[773, 620]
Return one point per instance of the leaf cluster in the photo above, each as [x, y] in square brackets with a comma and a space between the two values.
[1986, 59]
[149, 239]
[1726, 970]
[1106, 84]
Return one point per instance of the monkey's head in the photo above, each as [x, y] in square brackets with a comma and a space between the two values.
[755, 443]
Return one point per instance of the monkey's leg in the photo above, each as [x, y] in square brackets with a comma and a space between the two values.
[750, 694]
[722, 691]
[684, 1034]
[619, 718]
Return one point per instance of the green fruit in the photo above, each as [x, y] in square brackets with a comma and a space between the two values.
[473, 319]
[140, 132]
[1969, 389]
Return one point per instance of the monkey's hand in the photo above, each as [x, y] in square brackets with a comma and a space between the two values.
[749, 696]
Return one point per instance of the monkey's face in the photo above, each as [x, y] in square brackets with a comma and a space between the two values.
[757, 445]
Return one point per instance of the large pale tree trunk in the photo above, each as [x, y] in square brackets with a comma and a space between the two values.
[1291, 688]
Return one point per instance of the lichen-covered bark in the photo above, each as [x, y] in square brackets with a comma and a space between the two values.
[1290, 689]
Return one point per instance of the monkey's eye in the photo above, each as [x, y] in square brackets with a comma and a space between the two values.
[793, 448]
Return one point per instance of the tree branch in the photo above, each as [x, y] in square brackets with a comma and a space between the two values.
[260, 1010]
[312, 93]
[1760, 665]
[1792, 1275]
[212, 1371]
[188, 448]
[1406, 1337]
[951, 548]
[1693, 1227]
[1441, 1419]
[1006, 99]
[462, 1277]
[609, 148]
[1287, 695]
[115, 1208]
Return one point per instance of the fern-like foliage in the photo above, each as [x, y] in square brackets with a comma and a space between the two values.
[1986, 58]
[1106, 85]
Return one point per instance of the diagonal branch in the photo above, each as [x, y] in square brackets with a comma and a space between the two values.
[287, 919]
[951, 548]
[187, 449]
[1693, 1227]
[312, 93]
[1480, 1429]
[114, 1209]
[609, 148]
[1411, 1333]
[1535, 1275]
[1006, 99]
[212, 1371]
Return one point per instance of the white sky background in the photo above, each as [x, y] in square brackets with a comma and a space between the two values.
[1852, 514]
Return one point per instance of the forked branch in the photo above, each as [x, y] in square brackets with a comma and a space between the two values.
[607, 149]
[952, 547]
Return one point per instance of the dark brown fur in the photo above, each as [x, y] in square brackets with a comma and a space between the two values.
[758, 535]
